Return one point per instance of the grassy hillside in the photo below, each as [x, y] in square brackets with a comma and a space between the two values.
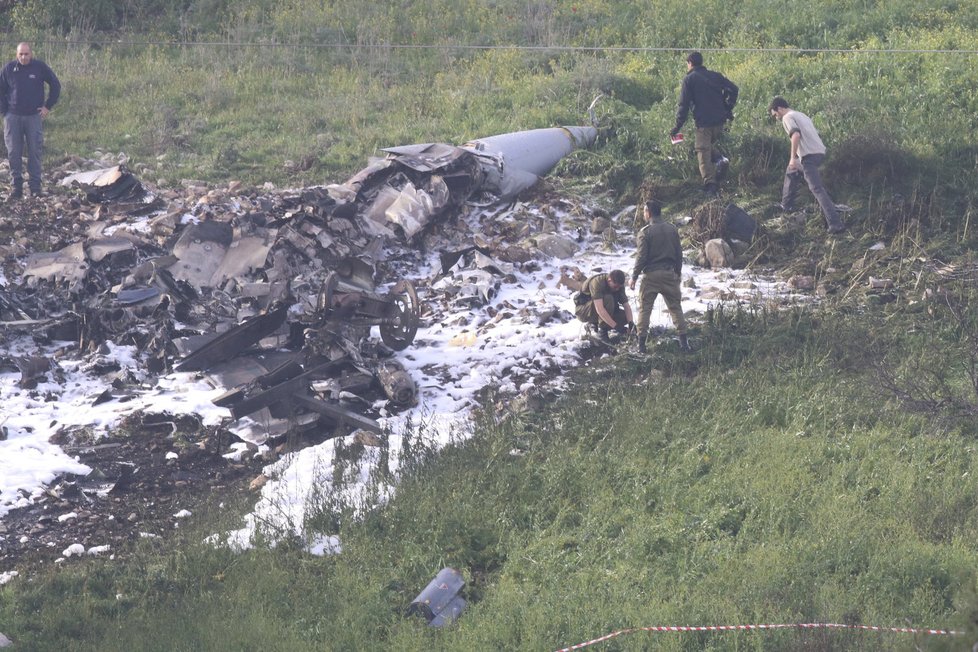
[299, 92]
[813, 466]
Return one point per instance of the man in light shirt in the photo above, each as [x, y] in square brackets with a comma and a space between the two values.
[807, 154]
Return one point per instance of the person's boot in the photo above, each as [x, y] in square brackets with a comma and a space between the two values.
[16, 193]
[683, 342]
[641, 343]
[603, 332]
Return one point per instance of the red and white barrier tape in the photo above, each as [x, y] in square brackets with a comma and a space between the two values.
[730, 628]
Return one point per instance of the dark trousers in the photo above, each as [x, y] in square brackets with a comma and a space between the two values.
[810, 173]
[19, 130]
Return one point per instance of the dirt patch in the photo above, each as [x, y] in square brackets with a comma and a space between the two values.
[141, 479]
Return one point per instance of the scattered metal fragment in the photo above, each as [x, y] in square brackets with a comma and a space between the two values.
[440, 602]
[231, 343]
[109, 184]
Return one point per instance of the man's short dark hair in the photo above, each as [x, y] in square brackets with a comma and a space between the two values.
[695, 58]
[617, 276]
[654, 207]
[778, 103]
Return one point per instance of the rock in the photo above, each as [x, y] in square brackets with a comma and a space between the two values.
[801, 282]
[599, 224]
[737, 224]
[556, 246]
[571, 278]
[880, 283]
[4, 641]
[718, 253]
[367, 438]
[713, 293]
[258, 483]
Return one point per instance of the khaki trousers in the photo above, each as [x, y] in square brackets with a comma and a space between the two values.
[706, 151]
[666, 283]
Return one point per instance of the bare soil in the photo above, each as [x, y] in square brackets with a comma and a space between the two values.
[136, 488]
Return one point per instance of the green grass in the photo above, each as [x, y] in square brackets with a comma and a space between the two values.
[768, 478]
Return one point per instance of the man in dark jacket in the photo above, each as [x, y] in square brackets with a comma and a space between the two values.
[23, 106]
[659, 260]
[712, 98]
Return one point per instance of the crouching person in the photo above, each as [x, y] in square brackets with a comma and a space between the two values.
[603, 303]
[659, 261]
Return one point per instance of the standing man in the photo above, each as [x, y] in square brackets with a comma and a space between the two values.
[659, 259]
[807, 154]
[712, 98]
[23, 106]
[602, 302]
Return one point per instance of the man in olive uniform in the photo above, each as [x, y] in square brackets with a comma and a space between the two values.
[603, 303]
[659, 260]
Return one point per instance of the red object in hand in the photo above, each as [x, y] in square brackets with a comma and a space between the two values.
[678, 138]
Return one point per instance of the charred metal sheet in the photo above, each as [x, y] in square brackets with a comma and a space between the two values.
[227, 345]
[109, 184]
[411, 210]
[344, 384]
[337, 412]
[283, 391]
[103, 248]
[138, 295]
[12, 310]
[426, 157]
[68, 264]
[200, 251]
[449, 259]
[244, 254]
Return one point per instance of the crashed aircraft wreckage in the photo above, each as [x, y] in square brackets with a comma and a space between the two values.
[274, 296]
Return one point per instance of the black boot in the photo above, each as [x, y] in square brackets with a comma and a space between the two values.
[683, 342]
[16, 193]
[641, 343]
[603, 332]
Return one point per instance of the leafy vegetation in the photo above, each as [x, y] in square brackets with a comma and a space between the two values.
[801, 466]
